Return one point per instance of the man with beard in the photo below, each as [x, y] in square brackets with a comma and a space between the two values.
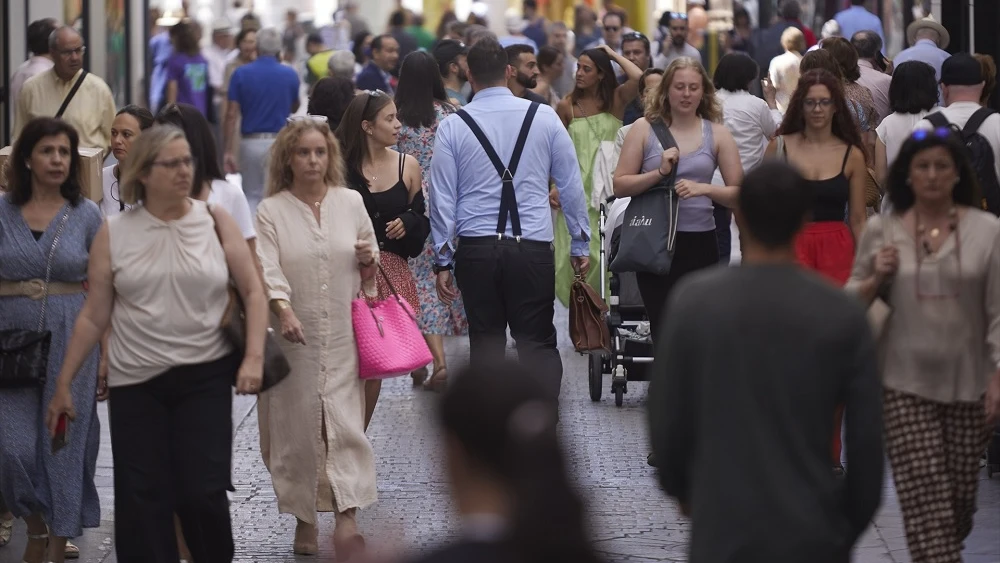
[522, 59]
[636, 48]
[677, 46]
[450, 56]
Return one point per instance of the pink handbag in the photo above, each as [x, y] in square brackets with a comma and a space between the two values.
[388, 337]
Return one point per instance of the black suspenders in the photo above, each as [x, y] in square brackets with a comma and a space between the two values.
[508, 201]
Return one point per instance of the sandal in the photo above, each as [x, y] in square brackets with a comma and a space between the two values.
[438, 380]
[419, 376]
[6, 531]
[72, 551]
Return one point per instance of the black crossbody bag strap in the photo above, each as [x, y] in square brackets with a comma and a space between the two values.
[69, 97]
[508, 199]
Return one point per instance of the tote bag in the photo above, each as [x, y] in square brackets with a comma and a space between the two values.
[387, 336]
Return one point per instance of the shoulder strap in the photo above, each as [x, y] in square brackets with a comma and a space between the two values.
[48, 265]
[938, 119]
[402, 159]
[72, 93]
[666, 141]
[976, 121]
[508, 200]
[780, 151]
[847, 155]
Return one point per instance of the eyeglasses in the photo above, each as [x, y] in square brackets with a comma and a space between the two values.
[182, 162]
[371, 94]
[811, 104]
[308, 117]
[70, 52]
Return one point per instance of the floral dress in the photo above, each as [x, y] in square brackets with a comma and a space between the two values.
[435, 316]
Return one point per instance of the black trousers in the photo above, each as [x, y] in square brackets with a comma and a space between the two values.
[508, 283]
[692, 252]
[172, 444]
[723, 218]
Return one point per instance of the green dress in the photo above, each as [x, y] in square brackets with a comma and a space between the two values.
[587, 134]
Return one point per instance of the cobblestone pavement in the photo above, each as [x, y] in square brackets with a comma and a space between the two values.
[606, 446]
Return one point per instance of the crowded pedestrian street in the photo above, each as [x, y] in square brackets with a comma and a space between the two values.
[605, 446]
[499, 281]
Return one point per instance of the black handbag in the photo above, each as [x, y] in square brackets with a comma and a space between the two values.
[276, 366]
[24, 354]
[649, 230]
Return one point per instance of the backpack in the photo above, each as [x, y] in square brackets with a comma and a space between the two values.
[981, 155]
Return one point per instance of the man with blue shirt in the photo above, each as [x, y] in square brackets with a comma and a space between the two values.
[263, 93]
[857, 18]
[377, 73]
[491, 192]
[928, 40]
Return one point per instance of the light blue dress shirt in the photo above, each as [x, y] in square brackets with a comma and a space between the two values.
[855, 19]
[925, 51]
[465, 187]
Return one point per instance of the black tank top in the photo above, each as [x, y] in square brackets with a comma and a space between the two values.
[386, 206]
[832, 194]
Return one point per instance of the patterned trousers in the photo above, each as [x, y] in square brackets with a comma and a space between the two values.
[934, 449]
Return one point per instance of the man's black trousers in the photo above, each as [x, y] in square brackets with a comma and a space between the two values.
[509, 283]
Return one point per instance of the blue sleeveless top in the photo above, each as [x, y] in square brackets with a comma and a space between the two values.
[695, 215]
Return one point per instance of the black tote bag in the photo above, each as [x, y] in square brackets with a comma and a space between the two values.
[649, 231]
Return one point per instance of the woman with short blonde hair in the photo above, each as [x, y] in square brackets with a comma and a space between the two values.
[317, 247]
[159, 278]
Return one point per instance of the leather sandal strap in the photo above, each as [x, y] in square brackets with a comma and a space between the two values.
[38, 536]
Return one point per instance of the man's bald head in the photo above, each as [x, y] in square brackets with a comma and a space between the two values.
[66, 47]
[61, 35]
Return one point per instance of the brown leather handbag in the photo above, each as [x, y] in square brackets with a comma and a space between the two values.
[588, 327]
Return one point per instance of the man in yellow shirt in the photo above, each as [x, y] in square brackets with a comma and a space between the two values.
[92, 108]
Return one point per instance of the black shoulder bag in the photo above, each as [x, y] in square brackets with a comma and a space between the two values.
[649, 230]
[72, 93]
[24, 354]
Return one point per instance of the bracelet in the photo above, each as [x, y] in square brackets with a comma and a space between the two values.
[279, 305]
[368, 265]
[662, 175]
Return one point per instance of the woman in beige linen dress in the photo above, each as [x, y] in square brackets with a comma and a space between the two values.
[316, 245]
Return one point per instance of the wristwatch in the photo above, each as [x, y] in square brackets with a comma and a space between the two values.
[438, 268]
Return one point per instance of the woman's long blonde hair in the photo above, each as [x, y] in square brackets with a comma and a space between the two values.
[141, 155]
[658, 100]
[280, 170]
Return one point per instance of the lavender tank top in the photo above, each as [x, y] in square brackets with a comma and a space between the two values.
[695, 215]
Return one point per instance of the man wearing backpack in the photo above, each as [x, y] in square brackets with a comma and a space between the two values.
[962, 87]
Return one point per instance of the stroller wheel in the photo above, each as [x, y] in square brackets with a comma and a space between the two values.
[596, 376]
[619, 395]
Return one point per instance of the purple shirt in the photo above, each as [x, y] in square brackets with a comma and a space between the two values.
[191, 74]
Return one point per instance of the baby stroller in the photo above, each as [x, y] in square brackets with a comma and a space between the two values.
[631, 345]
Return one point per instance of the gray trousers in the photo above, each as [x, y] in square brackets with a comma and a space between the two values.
[254, 159]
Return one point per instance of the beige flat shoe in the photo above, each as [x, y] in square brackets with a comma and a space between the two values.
[306, 539]
[6, 531]
[72, 552]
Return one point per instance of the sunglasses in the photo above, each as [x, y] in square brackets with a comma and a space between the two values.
[371, 94]
[633, 36]
[308, 117]
[939, 132]
[678, 15]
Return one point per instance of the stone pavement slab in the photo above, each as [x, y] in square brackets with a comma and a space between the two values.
[629, 517]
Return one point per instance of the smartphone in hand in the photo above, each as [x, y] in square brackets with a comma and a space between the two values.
[60, 440]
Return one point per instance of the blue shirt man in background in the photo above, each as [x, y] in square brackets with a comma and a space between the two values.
[491, 191]
[857, 18]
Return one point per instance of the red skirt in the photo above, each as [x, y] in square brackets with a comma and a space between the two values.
[397, 269]
[828, 248]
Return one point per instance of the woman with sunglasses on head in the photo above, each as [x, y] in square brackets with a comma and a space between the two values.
[318, 250]
[936, 261]
[593, 114]
[817, 129]
[423, 103]
[125, 129]
[390, 184]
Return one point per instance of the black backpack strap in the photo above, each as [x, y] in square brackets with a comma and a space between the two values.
[69, 97]
[508, 200]
[976, 121]
[938, 119]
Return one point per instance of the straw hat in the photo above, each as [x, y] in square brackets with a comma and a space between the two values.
[928, 23]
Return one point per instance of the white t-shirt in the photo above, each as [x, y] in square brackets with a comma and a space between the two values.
[111, 204]
[234, 201]
[895, 129]
[959, 113]
[752, 124]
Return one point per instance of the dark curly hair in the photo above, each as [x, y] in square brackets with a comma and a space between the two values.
[844, 127]
[18, 175]
[330, 97]
[900, 191]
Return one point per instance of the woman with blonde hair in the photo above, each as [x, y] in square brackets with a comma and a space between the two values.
[159, 279]
[686, 103]
[318, 248]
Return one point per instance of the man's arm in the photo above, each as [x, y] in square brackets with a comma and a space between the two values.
[444, 204]
[863, 421]
[673, 401]
[229, 122]
[566, 174]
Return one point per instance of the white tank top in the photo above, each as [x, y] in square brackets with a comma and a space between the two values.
[170, 281]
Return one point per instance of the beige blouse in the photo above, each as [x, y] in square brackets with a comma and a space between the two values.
[942, 341]
[171, 290]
